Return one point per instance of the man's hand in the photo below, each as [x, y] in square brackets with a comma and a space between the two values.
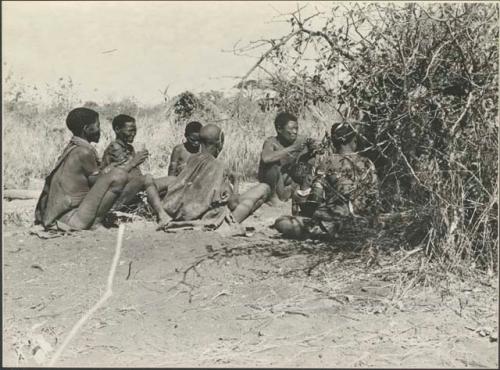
[139, 158]
[313, 145]
[298, 146]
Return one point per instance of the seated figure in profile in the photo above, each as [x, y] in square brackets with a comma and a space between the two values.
[203, 194]
[342, 189]
[119, 153]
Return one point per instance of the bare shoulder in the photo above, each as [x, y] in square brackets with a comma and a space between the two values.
[179, 148]
[271, 142]
[83, 159]
[271, 139]
[84, 152]
[175, 154]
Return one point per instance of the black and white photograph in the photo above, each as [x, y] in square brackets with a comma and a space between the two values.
[253, 184]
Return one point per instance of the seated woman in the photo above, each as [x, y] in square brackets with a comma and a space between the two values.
[202, 194]
[343, 189]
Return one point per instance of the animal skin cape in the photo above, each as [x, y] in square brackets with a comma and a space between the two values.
[200, 191]
[47, 200]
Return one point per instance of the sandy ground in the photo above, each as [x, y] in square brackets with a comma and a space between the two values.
[199, 299]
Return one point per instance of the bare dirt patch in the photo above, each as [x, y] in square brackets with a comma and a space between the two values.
[200, 299]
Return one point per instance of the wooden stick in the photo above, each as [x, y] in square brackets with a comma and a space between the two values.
[99, 303]
[21, 194]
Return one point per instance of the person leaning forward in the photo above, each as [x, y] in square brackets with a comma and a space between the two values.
[278, 152]
[76, 195]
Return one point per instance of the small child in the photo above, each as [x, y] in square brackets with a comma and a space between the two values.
[182, 152]
[119, 153]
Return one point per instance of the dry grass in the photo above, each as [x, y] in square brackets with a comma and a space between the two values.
[35, 136]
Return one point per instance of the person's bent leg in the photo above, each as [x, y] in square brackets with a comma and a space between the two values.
[284, 187]
[134, 185]
[99, 199]
[162, 184]
[250, 201]
[155, 200]
[271, 176]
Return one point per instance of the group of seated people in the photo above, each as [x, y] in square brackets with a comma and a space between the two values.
[328, 182]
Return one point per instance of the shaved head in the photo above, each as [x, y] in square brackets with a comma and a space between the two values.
[210, 134]
[212, 139]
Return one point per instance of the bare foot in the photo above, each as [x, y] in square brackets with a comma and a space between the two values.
[163, 220]
[231, 230]
[274, 201]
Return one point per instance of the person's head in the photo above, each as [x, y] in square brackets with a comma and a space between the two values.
[84, 123]
[342, 134]
[212, 139]
[124, 127]
[286, 126]
[192, 133]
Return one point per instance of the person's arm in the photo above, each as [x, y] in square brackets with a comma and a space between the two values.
[270, 155]
[127, 166]
[235, 180]
[135, 161]
[89, 164]
[174, 162]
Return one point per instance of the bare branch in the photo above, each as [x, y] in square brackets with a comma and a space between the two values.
[283, 41]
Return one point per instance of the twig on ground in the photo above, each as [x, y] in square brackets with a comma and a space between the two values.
[99, 303]
[409, 254]
[129, 270]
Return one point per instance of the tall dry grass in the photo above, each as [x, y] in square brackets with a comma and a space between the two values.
[35, 133]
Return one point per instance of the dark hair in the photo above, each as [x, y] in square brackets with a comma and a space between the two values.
[282, 119]
[342, 133]
[78, 118]
[193, 127]
[120, 120]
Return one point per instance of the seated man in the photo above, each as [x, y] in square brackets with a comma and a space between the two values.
[344, 191]
[119, 153]
[182, 152]
[76, 195]
[202, 194]
[278, 152]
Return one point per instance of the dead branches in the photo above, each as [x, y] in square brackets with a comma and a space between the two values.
[263, 57]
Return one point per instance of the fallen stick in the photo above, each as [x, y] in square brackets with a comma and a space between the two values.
[99, 303]
[20, 194]
[408, 254]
